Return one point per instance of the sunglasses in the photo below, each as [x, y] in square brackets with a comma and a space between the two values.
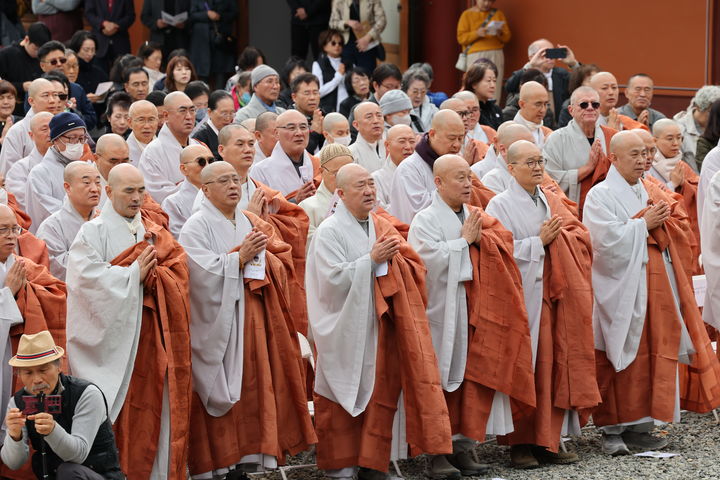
[63, 96]
[585, 105]
[57, 61]
[335, 43]
[202, 161]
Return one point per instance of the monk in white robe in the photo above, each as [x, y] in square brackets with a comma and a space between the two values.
[266, 135]
[399, 145]
[498, 179]
[533, 103]
[553, 251]
[179, 205]
[710, 238]
[369, 148]
[456, 248]
[159, 161]
[709, 166]
[17, 144]
[44, 190]
[366, 304]
[128, 300]
[478, 138]
[143, 119]
[81, 181]
[321, 205]
[243, 341]
[17, 175]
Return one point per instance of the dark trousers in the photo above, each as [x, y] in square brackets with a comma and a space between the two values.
[75, 471]
[303, 35]
[366, 60]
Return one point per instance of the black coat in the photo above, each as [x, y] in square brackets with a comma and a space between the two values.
[90, 75]
[318, 11]
[123, 13]
[208, 136]
[17, 67]
[204, 54]
[152, 12]
[560, 78]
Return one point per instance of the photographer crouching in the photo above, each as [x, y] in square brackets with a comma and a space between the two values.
[64, 418]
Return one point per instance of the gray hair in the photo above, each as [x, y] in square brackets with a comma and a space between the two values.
[706, 96]
[426, 68]
[412, 75]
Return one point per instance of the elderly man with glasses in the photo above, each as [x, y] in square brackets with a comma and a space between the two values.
[554, 255]
[577, 154]
[265, 83]
[159, 160]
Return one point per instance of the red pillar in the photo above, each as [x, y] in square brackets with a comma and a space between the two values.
[439, 45]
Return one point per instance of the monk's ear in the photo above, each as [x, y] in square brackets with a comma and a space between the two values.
[108, 190]
[66, 186]
[437, 182]
[221, 149]
[522, 103]
[293, 96]
[355, 124]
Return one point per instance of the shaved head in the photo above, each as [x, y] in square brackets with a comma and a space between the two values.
[39, 85]
[249, 123]
[447, 132]
[78, 169]
[466, 95]
[142, 107]
[40, 119]
[660, 127]
[509, 134]
[7, 215]
[530, 89]
[109, 141]
[643, 134]
[453, 180]
[621, 140]
[602, 77]
[650, 147]
[332, 119]
[214, 170]
[347, 173]
[445, 119]
[453, 104]
[173, 99]
[191, 152]
[668, 137]
[627, 155]
[521, 149]
[124, 173]
[265, 120]
[398, 130]
[448, 163]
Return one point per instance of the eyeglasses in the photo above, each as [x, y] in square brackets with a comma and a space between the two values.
[464, 113]
[56, 61]
[540, 162]
[294, 127]
[73, 140]
[202, 161]
[224, 181]
[62, 96]
[335, 43]
[585, 105]
[228, 114]
[5, 231]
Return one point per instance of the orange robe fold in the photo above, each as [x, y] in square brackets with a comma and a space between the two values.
[151, 210]
[163, 350]
[481, 147]
[601, 169]
[23, 218]
[405, 361]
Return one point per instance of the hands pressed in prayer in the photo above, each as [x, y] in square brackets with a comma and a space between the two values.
[472, 228]
[258, 204]
[317, 121]
[644, 117]
[470, 153]
[613, 121]
[254, 243]
[16, 277]
[677, 175]
[307, 190]
[596, 153]
[550, 229]
[656, 215]
[147, 261]
[384, 249]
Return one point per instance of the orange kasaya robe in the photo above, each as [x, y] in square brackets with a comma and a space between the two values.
[405, 361]
[630, 124]
[317, 176]
[151, 210]
[565, 364]
[499, 352]
[601, 169]
[647, 386]
[481, 147]
[480, 195]
[28, 245]
[163, 350]
[550, 185]
[23, 218]
[272, 415]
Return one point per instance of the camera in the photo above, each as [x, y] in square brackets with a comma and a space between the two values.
[42, 403]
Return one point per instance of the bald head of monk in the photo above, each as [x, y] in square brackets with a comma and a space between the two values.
[369, 121]
[668, 137]
[400, 143]
[110, 150]
[221, 186]
[293, 133]
[472, 106]
[193, 159]
[336, 129]
[126, 190]
[356, 188]
[236, 145]
[584, 105]
[460, 107]
[179, 115]
[453, 180]
[9, 230]
[40, 131]
[627, 154]
[82, 186]
[41, 95]
[266, 133]
[533, 102]
[447, 133]
[650, 147]
[526, 164]
[605, 84]
[143, 120]
[509, 133]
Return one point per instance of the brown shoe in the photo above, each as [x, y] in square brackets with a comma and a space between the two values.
[439, 468]
[522, 456]
[560, 458]
[464, 462]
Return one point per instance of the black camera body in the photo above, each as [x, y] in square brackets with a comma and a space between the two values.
[42, 403]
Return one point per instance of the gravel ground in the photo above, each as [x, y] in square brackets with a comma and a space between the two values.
[696, 439]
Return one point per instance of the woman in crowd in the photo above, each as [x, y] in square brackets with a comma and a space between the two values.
[249, 58]
[293, 67]
[84, 44]
[151, 55]
[179, 73]
[241, 92]
[212, 50]
[481, 79]
[415, 84]
[357, 84]
[330, 70]
[361, 23]
[118, 114]
[8, 96]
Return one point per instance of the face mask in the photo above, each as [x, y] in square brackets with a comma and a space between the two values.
[200, 114]
[245, 98]
[343, 140]
[401, 119]
[73, 151]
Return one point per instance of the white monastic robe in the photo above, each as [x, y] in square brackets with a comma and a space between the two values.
[259, 155]
[710, 242]
[709, 166]
[17, 143]
[105, 305]
[59, 231]
[159, 164]
[369, 155]
[44, 191]
[179, 206]
[318, 207]
[661, 168]
[9, 317]
[16, 177]
[476, 133]
[136, 148]
[498, 179]
[535, 129]
[277, 171]
[491, 160]
[566, 150]
[383, 182]
[435, 233]
[412, 188]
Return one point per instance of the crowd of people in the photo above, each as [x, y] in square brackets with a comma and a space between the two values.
[207, 280]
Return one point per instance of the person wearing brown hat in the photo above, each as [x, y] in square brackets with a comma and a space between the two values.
[73, 431]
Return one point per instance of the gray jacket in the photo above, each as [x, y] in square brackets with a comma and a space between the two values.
[254, 108]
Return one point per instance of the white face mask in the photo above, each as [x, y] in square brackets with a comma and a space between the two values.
[401, 119]
[73, 151]
[342, 140]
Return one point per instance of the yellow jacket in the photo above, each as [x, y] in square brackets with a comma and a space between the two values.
[470, 20]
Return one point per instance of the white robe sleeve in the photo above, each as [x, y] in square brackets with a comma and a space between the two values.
[408, 195]
[554, 155]
[57, 250]
[710, 240]
[40, 203]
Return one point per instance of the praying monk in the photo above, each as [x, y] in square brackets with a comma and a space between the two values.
[646, 321]
[480, 133]
[159, 160]
[577, 154]
[128, 300]
[413, 183]
[320, 206]
[553, 252]
[366, 302]
[474, 300]
[81, 181]
[499, 178]
[399, 145]
[491, 159]
[28, 245]
[31, 300]
[472, 150]
[534, 103]
[605, 84]
[17, 144]
[289, 168]
[179, 205]
[143, 121]
[250, 403]
[16, 176]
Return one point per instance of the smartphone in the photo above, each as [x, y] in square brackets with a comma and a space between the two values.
[559, 53]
